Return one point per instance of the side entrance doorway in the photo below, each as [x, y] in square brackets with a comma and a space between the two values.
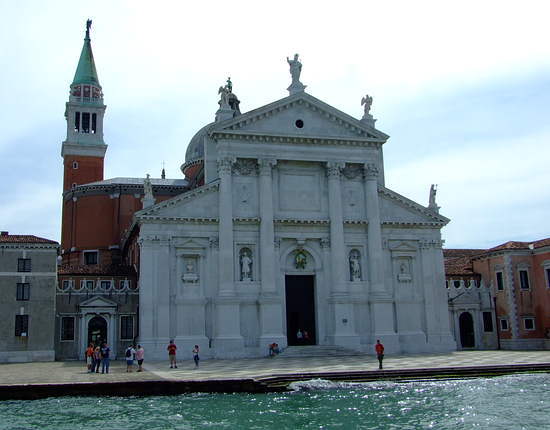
[466, 323]
[97, 330]
[300, 309]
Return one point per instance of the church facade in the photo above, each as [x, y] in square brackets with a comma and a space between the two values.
[292, 231]
[282, 231]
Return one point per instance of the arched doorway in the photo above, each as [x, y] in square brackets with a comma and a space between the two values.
[466, 324]
[97, 330]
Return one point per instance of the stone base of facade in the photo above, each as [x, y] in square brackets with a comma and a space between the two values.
[349, 341]
[155, 349]
[186, 344]
[441, 343]
[26, 356]
[519, 344]
[228, 347]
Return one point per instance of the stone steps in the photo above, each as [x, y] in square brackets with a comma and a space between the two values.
[318, 351]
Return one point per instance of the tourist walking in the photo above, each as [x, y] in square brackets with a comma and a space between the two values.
[172, 354]
[196, 355]
[379, 352]
[140, 353]
[105, 358]
[130, 354]
[96, 360]
[89, 357]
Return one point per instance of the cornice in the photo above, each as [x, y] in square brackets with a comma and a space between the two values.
[288, 138]
[301, 221]
[175, 219]
[190, 163]
[22, 245]
[413, 224]
[107, 189]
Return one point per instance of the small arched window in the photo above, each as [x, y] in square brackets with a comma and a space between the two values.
[75, 164]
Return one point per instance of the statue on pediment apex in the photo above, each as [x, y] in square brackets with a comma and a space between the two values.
[366, 102]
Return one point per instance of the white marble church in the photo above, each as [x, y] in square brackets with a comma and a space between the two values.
[292, 230]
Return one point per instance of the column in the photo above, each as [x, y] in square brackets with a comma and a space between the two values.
[342, 308]
[227, 341]
[381, 301]
[271, 311]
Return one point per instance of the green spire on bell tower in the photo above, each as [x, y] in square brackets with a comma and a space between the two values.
[86, 72]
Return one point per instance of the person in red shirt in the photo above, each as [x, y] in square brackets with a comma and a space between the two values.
[379, 353]
[172, 354]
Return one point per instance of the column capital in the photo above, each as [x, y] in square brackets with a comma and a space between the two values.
[266, 165]
[334, 168]
[370, 171]
[225, 164]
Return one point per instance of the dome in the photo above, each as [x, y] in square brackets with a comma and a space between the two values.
[195, 149]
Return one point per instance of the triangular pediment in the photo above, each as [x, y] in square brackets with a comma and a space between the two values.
[395, 208]
[98, 302]
[402, 246]
[282, 118]
[201, 202]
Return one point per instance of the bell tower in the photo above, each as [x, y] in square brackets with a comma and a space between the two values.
[83, 151]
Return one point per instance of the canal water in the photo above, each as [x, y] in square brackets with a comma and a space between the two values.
[509, 402]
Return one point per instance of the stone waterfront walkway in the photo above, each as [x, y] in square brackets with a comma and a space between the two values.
[257, 368]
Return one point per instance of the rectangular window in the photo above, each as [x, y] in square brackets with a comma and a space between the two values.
[77, 121]
[23, 264]
[22, 325]
[67, 328]
[85, 122]
[529, 323]
[124, 284]
[23, 291]
[500, 281]
[67, 284]
[487, 321]
[105, 285]
[504, 324]
[94, 122]
[126, 327]
[90, 257]
[524, 279]
[547, 278]
[90, 285]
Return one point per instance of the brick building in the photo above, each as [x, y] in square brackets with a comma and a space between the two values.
[27, 297]
[97, 295]
[500, 297]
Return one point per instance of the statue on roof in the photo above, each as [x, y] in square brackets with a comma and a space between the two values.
[432, 204]
[88, 26]
[367, 103]
[229, 85]
[224, 96]
[295, 68]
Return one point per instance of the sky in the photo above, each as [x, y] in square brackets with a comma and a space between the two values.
[462, 88]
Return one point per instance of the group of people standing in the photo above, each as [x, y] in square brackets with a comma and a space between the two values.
[97, 356]
[100, 356]
[132, 354]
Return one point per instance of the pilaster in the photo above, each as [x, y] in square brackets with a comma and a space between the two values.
[342, 309]
[271, 311]
[227, 341]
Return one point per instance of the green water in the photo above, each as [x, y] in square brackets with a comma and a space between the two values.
[510, 402]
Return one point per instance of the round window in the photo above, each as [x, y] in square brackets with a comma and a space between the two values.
[299, 123]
